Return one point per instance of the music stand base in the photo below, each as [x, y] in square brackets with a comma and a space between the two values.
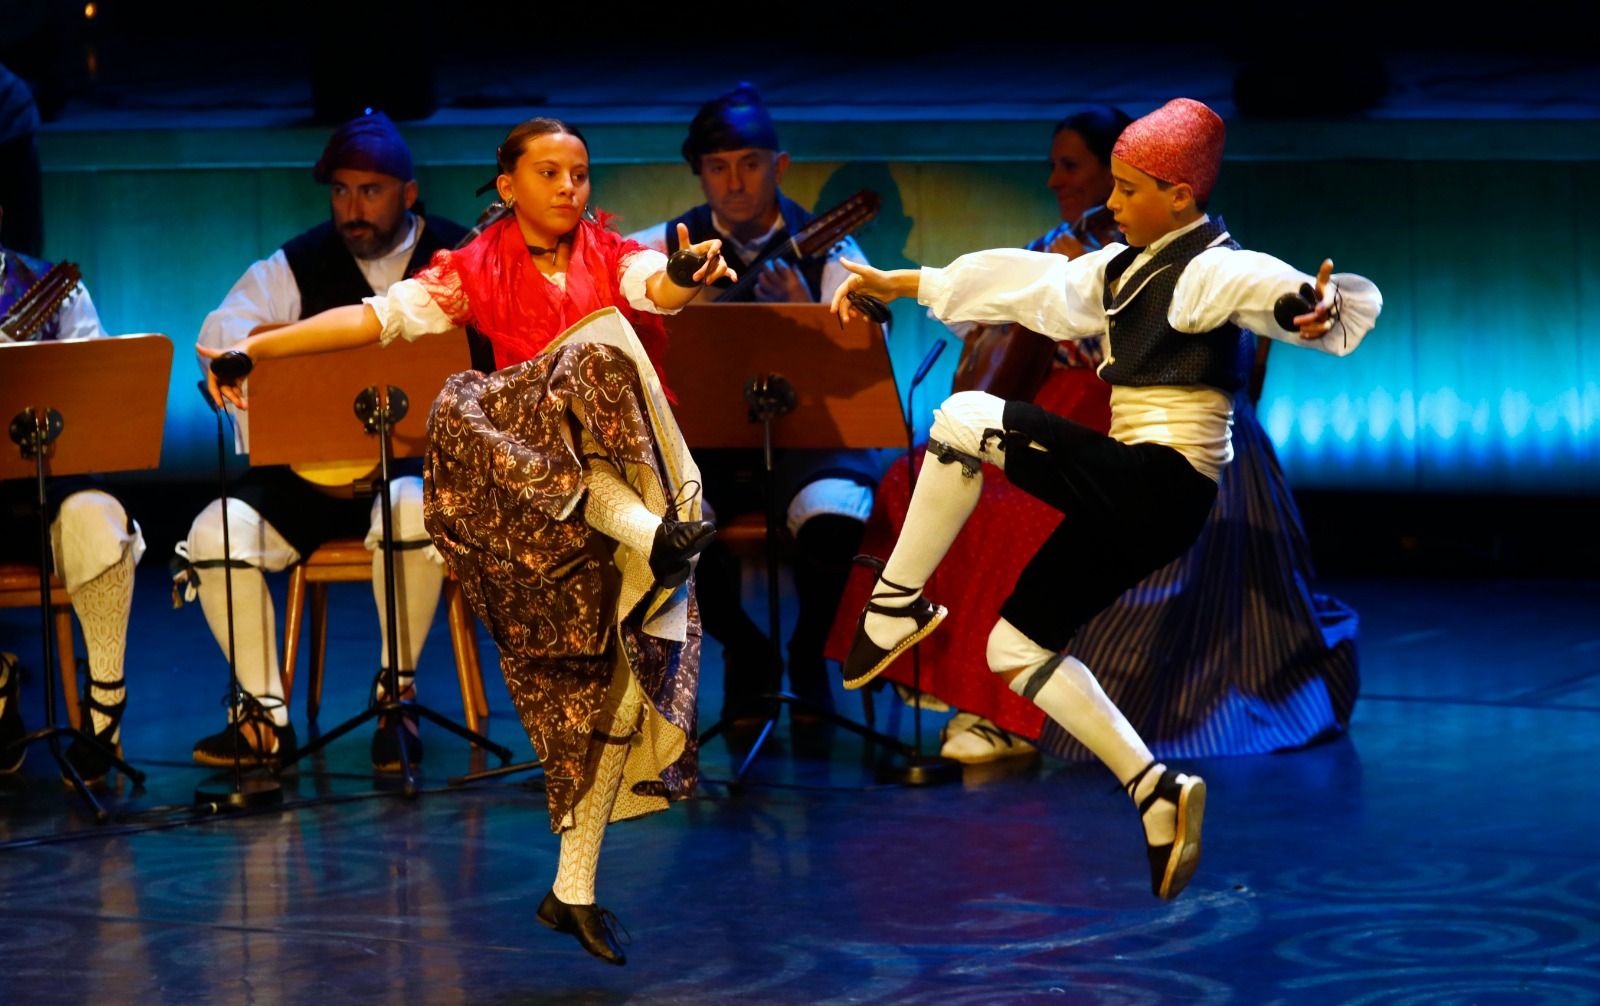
[926, 770]
[253, 793]
[495, 773]
[394, 710]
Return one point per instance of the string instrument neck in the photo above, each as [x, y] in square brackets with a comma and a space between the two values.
[822, 232]
[40, 302]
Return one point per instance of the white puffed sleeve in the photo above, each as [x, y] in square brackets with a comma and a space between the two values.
[1049, 294]
[408, 311]
[1225, 284]
[636, 269]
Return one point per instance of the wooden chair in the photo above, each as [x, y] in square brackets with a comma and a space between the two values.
[19, 588]
[746, 536]
[347, 560]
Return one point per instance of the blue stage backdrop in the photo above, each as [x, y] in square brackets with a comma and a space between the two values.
[1477, 379]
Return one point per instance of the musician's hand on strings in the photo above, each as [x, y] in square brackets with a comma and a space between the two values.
[1316, 323]
[864, 279]
[220, 391]
[781, 283]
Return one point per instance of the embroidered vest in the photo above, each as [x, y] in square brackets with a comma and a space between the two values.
[1145, 349]
[327, 273]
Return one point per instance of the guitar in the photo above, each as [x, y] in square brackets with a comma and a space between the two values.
[823, 232]
[41, 302]
[334, 478]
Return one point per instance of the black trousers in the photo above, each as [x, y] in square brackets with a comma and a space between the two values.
[1130, 509]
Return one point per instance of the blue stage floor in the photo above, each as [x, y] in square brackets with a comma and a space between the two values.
[1444, 853]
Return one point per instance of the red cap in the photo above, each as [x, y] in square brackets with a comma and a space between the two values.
[1179, 142]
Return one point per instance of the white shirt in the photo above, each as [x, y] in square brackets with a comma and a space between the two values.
[267, 294]
[1062, 298]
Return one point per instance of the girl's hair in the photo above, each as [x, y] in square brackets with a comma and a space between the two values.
[1099, 126]
[521, 135]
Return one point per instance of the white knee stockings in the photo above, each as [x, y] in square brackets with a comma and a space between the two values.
[103, 605]
[613, 506]
[257, 546]
[944, 498]
[580, 844]
[1069, 694]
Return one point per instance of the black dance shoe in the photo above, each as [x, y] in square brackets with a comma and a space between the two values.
[11, 729]
[89, 760]
[678, 541]
[867, 659]
[1172, 865]
[390, 745]
[594, 927]
[219, 749]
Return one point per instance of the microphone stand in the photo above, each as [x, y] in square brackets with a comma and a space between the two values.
[379, 409]
[771, 397]
[920, 769]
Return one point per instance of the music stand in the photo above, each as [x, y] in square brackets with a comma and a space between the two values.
[300, 412]
[722, 360]
[74, 407]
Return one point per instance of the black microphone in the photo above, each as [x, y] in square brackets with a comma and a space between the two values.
[927, 363]
[232, 367]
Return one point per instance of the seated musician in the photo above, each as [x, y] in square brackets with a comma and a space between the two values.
[377, 236]
[733, 148]
[94, 543]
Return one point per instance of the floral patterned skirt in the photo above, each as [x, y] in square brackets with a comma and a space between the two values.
[502, 491]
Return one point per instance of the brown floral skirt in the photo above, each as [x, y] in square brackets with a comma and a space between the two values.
[502, 485]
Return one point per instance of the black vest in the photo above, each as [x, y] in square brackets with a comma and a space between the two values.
[1144, 348]
[698, 220]
[327, 273]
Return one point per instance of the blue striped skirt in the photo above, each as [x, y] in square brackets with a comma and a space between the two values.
[1227, 650]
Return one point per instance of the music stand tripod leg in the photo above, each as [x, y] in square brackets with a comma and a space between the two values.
[378, 411]
[32, 430]
[770, 398]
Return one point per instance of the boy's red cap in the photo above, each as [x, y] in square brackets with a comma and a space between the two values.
[1179, 142]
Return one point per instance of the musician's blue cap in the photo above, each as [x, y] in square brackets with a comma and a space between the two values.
[733, 121]
[369, 142]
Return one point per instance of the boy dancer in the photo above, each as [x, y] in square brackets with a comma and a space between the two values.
[1170, 305]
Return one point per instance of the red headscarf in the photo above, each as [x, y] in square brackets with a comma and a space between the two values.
[520, 311]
